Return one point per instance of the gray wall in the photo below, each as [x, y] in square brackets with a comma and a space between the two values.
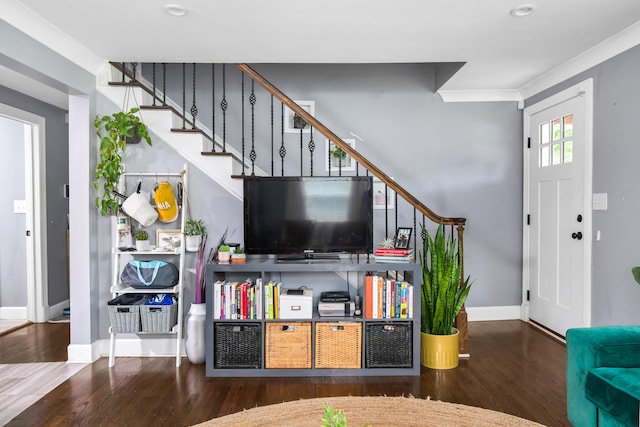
[13, 248]
[616, 109]
[31, 58]
[459, 159]
[57, 174]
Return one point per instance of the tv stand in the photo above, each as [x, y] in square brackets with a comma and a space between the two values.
[246, 347]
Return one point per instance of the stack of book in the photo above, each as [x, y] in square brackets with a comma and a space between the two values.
[394, 255]
[237, 300]
[387, 298]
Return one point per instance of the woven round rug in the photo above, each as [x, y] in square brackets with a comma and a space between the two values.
[374, 411]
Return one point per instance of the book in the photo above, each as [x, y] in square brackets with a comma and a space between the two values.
[394, 258]
[368, 297]
[393, 251]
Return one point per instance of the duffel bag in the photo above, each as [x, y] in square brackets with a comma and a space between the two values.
[149, 274]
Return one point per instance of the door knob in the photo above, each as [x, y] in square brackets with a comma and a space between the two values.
[579, 218]
[577, 235]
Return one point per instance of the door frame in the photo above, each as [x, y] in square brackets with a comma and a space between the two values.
[36, 217]
[585, 89]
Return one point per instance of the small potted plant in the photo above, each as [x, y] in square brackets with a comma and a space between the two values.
[238, 257]
[113, 131]
[224, 254]
[194, 229]
[142, 240]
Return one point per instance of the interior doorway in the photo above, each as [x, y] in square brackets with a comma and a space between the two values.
[28, 213]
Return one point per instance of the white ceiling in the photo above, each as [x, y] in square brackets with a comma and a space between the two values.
[501, 52]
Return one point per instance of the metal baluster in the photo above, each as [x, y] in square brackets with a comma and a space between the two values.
[252, 153]
[184, 96]
[134, 66]
[223, 106]
[154, 83]
[283, 150]
[301, 152]
[194, 109]
[124, 69]
[164, 84]
[272, 140]
[213, 109]
[329, 157]
[386, 213]
[242, 136]
[312, 147]
[415, 230]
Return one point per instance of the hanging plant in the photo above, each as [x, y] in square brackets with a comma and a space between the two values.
[113, 131]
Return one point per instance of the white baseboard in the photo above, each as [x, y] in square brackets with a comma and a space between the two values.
[13, 313]
[83, 353]
[56, 310]
[142, 347]
[166, 347]
[482, 314]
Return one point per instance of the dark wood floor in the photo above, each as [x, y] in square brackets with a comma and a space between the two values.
[514, 368]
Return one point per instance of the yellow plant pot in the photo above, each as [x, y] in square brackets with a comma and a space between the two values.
[439, 351]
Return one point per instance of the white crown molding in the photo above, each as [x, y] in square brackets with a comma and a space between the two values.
[24, 19]
[480, 95]
[609, 48]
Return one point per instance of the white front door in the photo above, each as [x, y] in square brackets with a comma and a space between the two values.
[557, 209]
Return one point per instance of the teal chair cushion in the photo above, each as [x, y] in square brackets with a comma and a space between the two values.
[590, 348]
[616, 391]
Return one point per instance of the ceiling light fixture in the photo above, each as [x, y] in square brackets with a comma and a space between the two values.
[175, 10]
[523, 10]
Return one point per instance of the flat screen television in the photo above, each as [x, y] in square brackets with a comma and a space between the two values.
[308, 216]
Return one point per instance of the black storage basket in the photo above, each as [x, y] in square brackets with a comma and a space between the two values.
[237, 345]
[388, 345]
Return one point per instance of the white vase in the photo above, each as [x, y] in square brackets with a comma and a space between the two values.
[194, 336]
[193, 243]
[142, 245]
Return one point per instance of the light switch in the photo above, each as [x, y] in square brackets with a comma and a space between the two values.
[599, 201]
[20, 206]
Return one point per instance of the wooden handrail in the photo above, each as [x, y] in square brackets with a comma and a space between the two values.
[348, 149]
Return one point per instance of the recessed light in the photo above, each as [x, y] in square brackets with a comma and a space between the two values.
[523, 10]
[175, 10]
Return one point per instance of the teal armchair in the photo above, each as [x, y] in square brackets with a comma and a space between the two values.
[603, 376]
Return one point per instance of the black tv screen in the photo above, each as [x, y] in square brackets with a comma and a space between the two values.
[308, 215]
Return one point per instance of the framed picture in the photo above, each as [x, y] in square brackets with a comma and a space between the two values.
[293, 123]
[168, 240]
[402, 238]
[338, 160]
[379, 199]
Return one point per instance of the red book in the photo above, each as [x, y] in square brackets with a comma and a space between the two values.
[392, 251]
[368, 297]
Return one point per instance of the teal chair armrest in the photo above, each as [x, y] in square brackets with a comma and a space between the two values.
[588, 348]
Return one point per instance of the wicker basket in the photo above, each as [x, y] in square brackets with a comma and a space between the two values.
[338, 345]
[124, 313]
[158, 318]
[237, 345]
[288, 345]
[389, 345]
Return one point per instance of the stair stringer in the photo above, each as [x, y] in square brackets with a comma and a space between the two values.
[188, 145]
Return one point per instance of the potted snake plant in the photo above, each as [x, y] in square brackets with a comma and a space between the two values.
[442, 297]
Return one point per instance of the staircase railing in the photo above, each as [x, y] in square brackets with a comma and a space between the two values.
[218, 147]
